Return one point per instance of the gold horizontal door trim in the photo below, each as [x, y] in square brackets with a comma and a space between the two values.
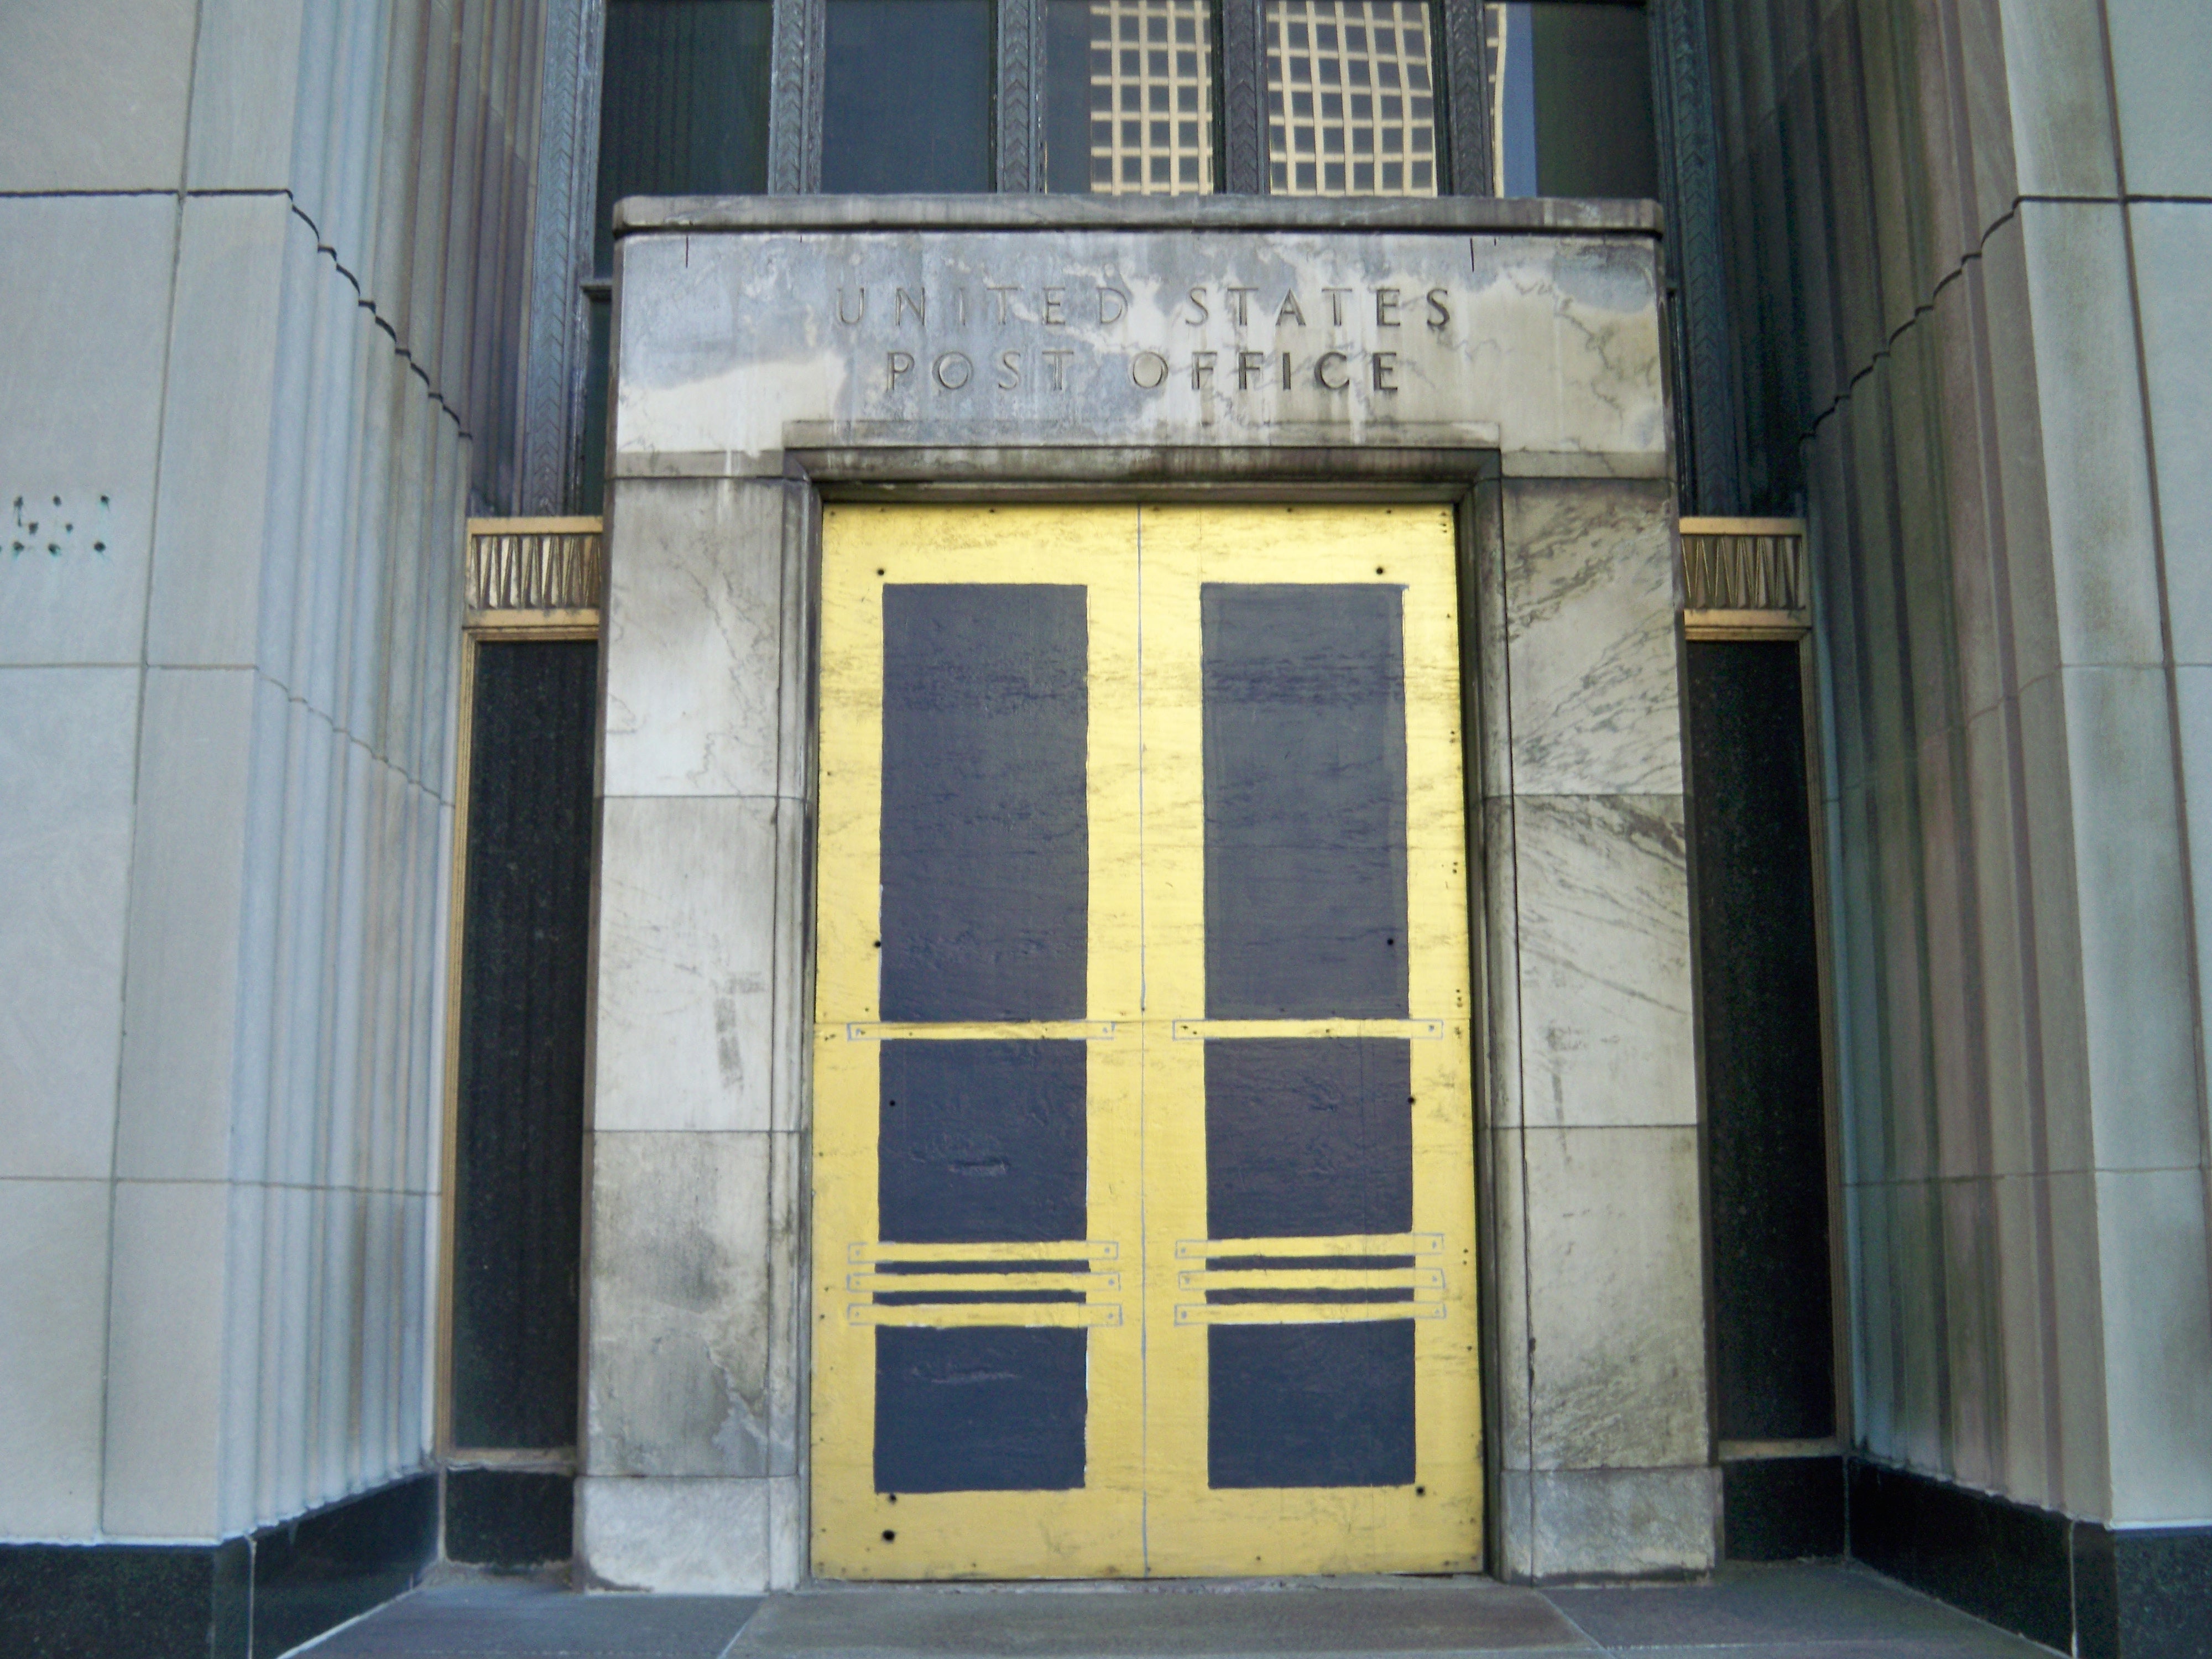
[1093, 1250]
[906, 1283]
[1188, 1249]
[1066, 1030]
[1305, 1313]
[1199, 1030]
[1310, 1279]
[958, 1314]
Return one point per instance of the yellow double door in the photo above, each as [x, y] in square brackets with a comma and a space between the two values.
[1143, 1182]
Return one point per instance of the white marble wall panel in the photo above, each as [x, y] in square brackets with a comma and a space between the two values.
[2061, 997]
[53, 1303]
[2103, 551]
[695, 633]
[1590, 603]
[189, 857]
[2060, 100]
[1505, 1267]
[686, 960]
[245, 93]
[82, 344]
[165, 1360]
[2173, 269]
[2159, 49]
[2023, 1226]
[790, 1310]
[681, 1316]
[2144, 1107]
[1601, 906]
[2157, 1340]
[681, 1537]
[1585, 1523]
[96, 92]
[68, 738]
[1616, 1298]
[219, 402]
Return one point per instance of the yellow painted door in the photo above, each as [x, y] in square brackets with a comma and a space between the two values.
[1143, 1190]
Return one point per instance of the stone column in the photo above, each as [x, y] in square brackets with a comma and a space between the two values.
[695, 1308]
[1599, 1439]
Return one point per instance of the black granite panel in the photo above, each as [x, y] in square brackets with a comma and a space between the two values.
[1767, 1135]
[2142, 1593]
[124, 1600]
[1783, 1509]
[2005, 1562]
[986, 850]
[1305, 800]
[518, 1179]
[337, 1564]
[508, 1517]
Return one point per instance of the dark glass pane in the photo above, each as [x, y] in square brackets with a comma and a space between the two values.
[684, 108]
[1573, 81]
[907, 97]
[519, 1130]
[1168, 75]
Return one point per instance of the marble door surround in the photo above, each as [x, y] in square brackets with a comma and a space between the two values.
[1503, 355]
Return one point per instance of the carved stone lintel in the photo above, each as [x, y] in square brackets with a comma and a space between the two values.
[535, 564]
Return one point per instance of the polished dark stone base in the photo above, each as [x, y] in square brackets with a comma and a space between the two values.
[244, 1598]
[2077, 1586]
[104, 1600]
[2005, 1562]
[2143, 1594]
[1783, 1509]
[508, 1519]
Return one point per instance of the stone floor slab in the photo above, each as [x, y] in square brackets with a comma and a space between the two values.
[1184, 1621]
[510, 1619]
[1807, 1602]
[1799, 1612]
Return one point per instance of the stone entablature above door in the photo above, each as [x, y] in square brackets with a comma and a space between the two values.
[756, 325]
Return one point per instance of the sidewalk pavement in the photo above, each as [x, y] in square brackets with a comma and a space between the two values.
[1809, 1611]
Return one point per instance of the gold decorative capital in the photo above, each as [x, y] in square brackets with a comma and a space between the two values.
[537, 568]
[1745, 575]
